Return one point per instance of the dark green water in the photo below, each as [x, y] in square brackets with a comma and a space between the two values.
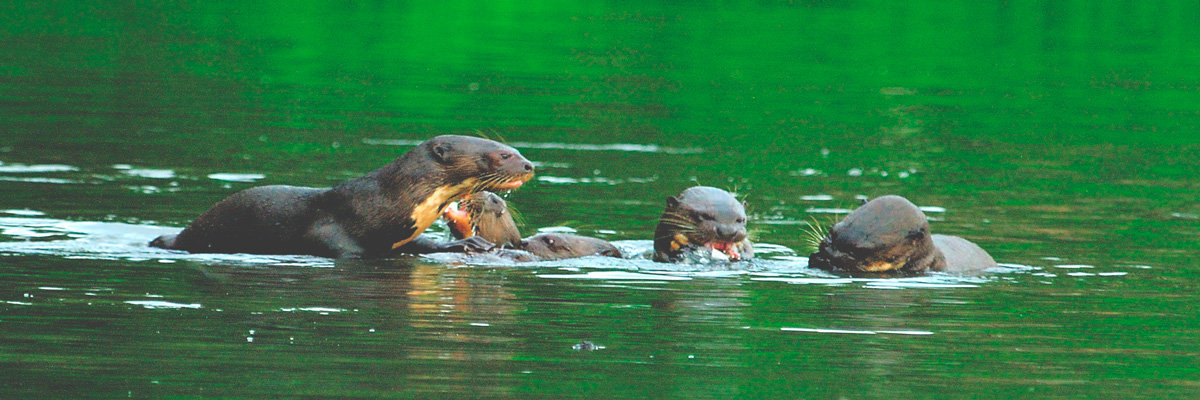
[1060, 136]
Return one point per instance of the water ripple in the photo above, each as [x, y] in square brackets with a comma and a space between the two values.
[856, 332]
[159, 304]
[616, 275]
[232, 177]
[37, 168]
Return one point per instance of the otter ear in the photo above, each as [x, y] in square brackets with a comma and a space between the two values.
[441, 152]
[672, 202]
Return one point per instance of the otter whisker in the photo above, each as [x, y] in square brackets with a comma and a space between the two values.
[517, 217]
[488, 182]
[678, 223]
[499, 136]
[752, 233]
[672, 234]
[813, 234]
[679, 226]
[476, 185]
[485, 183]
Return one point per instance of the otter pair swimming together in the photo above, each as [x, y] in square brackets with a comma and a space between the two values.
[374, 215]
[485, 215]
[383, 212]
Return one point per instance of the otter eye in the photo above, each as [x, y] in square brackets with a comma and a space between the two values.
[740, 220]
[505, 156]
[708, 217]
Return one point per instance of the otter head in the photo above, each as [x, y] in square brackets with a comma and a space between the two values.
[478, 164]
[445, 169]
[484, 214]
[554, 246]
[701, 216]
[887, 234]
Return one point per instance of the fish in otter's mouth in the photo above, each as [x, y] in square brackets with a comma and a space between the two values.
[459, 221]
[729, 249]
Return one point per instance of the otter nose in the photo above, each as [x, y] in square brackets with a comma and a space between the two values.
[727, 232]
[528, 166]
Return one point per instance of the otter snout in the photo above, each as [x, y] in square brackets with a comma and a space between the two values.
[828, 257]
[511, 162]
[731, 233]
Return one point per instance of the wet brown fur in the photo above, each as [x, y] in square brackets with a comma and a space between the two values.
[364, 216]
[697, 216]
[891, 235]
[556, 246]
[490, 219]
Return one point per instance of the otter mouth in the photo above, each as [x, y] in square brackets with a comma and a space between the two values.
[832, 259]
[511, 184]
[729, 249]
[460, 220]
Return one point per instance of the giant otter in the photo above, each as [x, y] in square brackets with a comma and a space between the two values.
[486, 215]
[369, 216]
[557, 246]
[701, 219]
[891, 235]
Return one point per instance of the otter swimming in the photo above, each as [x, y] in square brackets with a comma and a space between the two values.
[557, 246]
[369, 216]
[702, 218]
[891, 235]
[486, 215]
